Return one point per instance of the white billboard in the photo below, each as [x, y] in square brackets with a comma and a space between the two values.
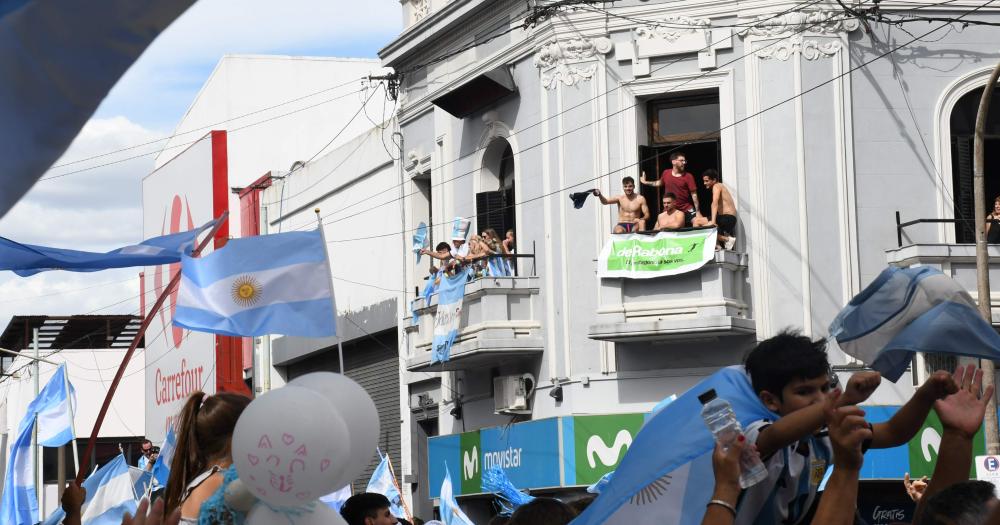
[184, 193]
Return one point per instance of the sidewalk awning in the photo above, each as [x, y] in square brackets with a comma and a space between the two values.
[478, 93]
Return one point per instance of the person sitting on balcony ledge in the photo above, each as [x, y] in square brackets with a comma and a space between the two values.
[632, 209]
[681, 183]
[671, 218]
[723, 210]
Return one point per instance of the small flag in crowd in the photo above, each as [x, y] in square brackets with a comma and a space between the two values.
[109, 496]
[383, 483]
[335, 500]
[451, 294]
[420, 240]
[460, 229]
[912, 310]
[142, 481]
[28, 259]
[580, 197]
[269, 284]
[161, 469]
[495, 480]
[670, 459]
[53, 413]
[451, 513]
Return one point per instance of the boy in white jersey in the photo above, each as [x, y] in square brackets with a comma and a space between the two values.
[791, 375]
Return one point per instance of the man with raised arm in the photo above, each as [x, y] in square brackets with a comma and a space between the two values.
[632, 209]
[678, 181]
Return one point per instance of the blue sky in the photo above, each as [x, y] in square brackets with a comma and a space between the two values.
[99, 209]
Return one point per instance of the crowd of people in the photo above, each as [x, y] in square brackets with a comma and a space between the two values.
[484, 255]
[679, 200]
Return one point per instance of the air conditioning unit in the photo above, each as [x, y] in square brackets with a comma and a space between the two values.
[512, 394]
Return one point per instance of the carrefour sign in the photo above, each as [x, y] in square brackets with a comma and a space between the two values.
[532, 454]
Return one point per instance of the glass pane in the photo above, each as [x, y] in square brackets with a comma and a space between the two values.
[688, 119]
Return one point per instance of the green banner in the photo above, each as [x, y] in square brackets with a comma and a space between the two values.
[641, 256]
[601, 443]
[470, 449]
[924, 447]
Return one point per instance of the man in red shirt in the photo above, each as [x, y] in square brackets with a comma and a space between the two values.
[681, 183]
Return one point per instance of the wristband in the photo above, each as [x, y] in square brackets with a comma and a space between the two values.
[724, 504]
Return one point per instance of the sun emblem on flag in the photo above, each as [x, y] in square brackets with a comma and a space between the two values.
[246, 290]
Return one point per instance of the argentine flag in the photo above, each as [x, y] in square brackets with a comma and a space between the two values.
[19, 503]
[161, 469]
[109, 496]
[451, 513]
[383, 483]
[269, 284]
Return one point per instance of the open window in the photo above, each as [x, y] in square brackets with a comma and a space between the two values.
[495, 204]
[963, 126]
[687, 123]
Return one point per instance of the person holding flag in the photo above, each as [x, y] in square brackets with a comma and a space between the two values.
[104, 499]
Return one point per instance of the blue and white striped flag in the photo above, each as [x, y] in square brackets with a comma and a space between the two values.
[451, 294]
[451, 513]
[420, 240]
[666, 476]
[269, 284]
[912, 310]
[19, 503]
[383, 483]
[109, 496]
[335, 500]
[161, 469]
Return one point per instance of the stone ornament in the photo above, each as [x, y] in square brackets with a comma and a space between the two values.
[814, 22]
[560, 60]
[808, 49]
[673, 28]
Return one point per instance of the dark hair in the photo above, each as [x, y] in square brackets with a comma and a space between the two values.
[363, 505]
[628, 180]
[499, 520]
[669, 194]
[963, 503]
[788, 356]
[676, 154]
[204, 433]
[442, 246]
[146, 441]
[580, 504]
[711, 174]
[543, 511]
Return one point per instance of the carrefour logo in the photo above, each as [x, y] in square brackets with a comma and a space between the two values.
[608, 455]
[470, 463]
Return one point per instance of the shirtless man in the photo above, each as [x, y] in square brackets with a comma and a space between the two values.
[671, 218]
[632, 209]
[723, 210]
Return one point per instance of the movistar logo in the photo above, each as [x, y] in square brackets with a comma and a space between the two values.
[929, 440]
[471, 463]
[607, 455]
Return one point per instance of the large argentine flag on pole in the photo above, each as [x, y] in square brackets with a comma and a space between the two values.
[383, 483]
[666, 476]
[451, 513]
[28, 259]
[912, 310]
[58, 59]
[269, 284]
[19, 503]
[109, 496]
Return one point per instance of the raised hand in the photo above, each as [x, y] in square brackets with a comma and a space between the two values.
[848, 430]
[860, 387]
[939, 385]
[963, 410]
[915, 488]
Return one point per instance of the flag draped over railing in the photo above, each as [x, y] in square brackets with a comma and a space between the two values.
[52, 413]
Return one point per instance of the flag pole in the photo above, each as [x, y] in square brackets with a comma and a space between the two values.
[72, 416]
[406, 508]
[39, 489]
[336, 318]
[82, 468]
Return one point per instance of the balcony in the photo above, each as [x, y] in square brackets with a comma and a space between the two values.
[499, 324]
[712, 301]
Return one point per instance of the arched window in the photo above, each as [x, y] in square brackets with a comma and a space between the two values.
[495, 202]
[963, 126]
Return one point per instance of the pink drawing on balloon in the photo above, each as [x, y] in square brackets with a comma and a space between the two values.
[323, 465]
[265, 442]
[301, 451]
[273, 460]
[304, 496]
[287, 439]
[262, 492]
[253, 459]
[291, 466]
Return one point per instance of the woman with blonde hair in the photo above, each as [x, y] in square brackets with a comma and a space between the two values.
[203, 451]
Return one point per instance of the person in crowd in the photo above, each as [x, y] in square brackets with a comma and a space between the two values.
[914, 488]
[367, 508]
[791, 376]
[721, 509]
[509, 245]
[723, 213]
[632, 209]
[146, 514]
[678, 181]
[72, 503]
[442, 252]
[154, 454]
[542, 511]
[581, 503]
[203, 451]
[671, 218]
[848, 433]
[993, 223]
[147, 449]
[459, 249]
[949, 497]
[499, 520]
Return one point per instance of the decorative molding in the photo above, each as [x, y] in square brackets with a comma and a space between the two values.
[421, 8]
[672, 29]
[814, 22]
[560, 60]
[796, 45]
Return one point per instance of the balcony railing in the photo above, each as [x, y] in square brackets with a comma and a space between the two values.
[499, 323]
[712, 301]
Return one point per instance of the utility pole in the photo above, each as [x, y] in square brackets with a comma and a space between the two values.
[982, 259]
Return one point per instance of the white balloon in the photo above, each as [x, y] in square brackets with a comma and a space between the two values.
[238, 496]
[358, 411]
[315, 514]
[289, 447]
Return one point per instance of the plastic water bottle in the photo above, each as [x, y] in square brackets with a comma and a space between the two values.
[721, 421]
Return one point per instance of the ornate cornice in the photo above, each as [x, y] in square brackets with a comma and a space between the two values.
[672, 28]
[565, 60]
[809, 49]
[814, 22]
